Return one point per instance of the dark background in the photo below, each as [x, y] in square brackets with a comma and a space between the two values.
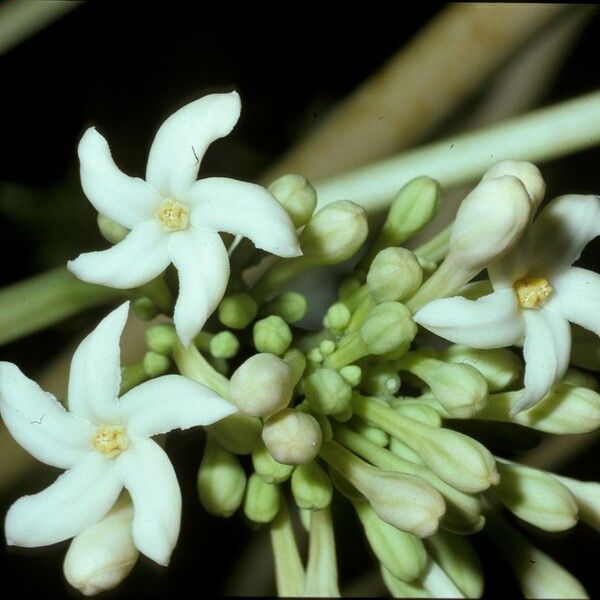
[126, 66]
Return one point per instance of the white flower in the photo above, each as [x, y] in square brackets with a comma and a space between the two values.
[104, 443]
[175, 219]
[536, 293]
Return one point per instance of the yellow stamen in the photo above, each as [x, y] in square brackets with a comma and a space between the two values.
[173, 215]
[532, 291]
[110, 440]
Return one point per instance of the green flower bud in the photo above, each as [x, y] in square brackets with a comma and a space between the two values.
[500, 367]
[352, 374]
[111, 231]
[394, 274]
[221, 480]
[326, 347]
[267, 467]
[261, 386]
[536, 497]
[526, 172]
[587, 496]
[155, 364]
[459, 388]
[262, 500]
[290, 306]
[224, 345]
[297, 196]
[380, 380]
[144, 308]
[459, 561]
[160, 338]
[337, 318]
[292, 437]
[311, 487]
[578, 378]
[315, 356]
[403, 501]
[388, 326]
[373, 434]
[327, 391]
[402, 589]
[344, 415]
[402, 553]
[272, 334]
[237, 310]
[400, 449]
[419, 412]
[296, 361]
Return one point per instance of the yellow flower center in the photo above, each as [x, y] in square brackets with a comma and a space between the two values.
[173, 215]
[110, 440]
[532, 291]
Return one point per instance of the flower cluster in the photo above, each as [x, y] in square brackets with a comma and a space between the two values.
[360, 411]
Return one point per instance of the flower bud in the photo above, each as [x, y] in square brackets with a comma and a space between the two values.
[375, 435]
[111, 231]
[526, 172]
[395, 274]
[380, 380]
[578, 378]
[221, 480]
[419, 412]
[296, 361]
[402, 553]
[224, 345]
[272, 334]
[297, 196]
[101, 556]
[387, 327]
[262, 500]
[160, 338]
[326, 347]
[402, 589]
[344, 415]
[587, 496]
[292, 437]
[290, 306]
[261, 386]
[311, 487]
[337, 318]
[403, 451]
[144, 308]
[155, 364]
[327, 391]
[352, 374]
[536, 497]
[500, 367]
[267, 467]
[237, 310]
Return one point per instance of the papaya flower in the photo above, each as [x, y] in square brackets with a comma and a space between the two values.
[104, 443]
[173, 218]
[536, 293]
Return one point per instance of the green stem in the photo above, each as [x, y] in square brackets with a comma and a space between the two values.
[436, 248]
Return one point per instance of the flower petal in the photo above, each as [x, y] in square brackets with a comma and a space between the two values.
[546, 351]
[512, 267]
[126, 200]
[170, 402]
[39, 423]
[562, 231]
[140, 257]
[576, 296]
[78, 499]
[203, 265]
[95, 374]
[493, 321]
[149, 477]
[183, 138]
[246, 209]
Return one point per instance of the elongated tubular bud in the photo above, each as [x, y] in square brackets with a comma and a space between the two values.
[311, 487]
[587, 496]
[262, 500]
[267, 467]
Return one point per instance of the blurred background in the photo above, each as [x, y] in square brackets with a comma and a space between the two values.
[125, 67]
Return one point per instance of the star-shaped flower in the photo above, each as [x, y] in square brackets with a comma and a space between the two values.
[536, 293]
[104, 443]
[175, 219]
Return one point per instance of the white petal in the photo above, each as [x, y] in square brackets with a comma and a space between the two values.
[183, 138]
[140, 257]
[149, 477]
[39, 422]
[95, 374]
[546, 351]
[246, 209]
[126, 200]
[203, 265]
[562, 231]
[78, 499]
[514, 266]
[170, 402]
[576, 297]
[493, 321]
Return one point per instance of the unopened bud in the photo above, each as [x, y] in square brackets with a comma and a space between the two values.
[160, 338]
[400, 449]
[419, 412]
[101, 556]
[290, 306]
[296, 361]
[337, 318]
[262, 385]
[221, 480]
[267, 467]
[297, 196]
[311, 486]
[155, 364]
[402, 589]
[292, 437]
[144, 308]
[387, 327]
[272, 334]
[526, 172]
[587, 496]
[352, 374]
[262, 500]
[380, 380]
[224, 345]
[237, 310]
[395, 274]
[327, 391]
[111, 231]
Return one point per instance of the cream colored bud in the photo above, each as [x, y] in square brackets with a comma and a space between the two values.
[529, 175]
[100, 557]
[418, 412]
[395, 274]
[402, 589]
[267, 467]
[292, 437]
[311, 487]
[587, 496]
[262, 385]
[297, 196]
[387, 327]
[327, 392]
[262, 500]
[375, 435]
[111, 231]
